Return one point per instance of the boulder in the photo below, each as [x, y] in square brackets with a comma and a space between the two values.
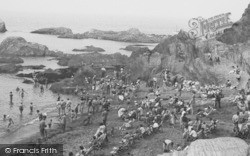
[89, 49]
[2, 27]
[53, 31]
[18, 46]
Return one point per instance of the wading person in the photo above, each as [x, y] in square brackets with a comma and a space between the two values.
[42, 127]
[31, 108]
[11, 97]
[21, 108]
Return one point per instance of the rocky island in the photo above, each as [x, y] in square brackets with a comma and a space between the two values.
[89, 49]
[53, 31]
[132, 35]
[18, 46]
[2, 27]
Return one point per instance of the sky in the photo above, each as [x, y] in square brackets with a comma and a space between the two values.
[142, 8]
[168, 10]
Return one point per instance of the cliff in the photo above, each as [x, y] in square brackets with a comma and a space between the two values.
[239, 32]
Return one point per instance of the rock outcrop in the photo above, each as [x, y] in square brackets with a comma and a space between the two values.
[89, 49]
[2, 27]
[131, 35]
[10, 68]
[179, 54]
[53, 31]
[18, 46]
[134, 47]
[239, 32]
[8, 59]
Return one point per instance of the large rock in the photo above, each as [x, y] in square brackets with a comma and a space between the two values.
[2, 27]
[53, 31]
[131, 35]
[18, 46]
[239, 32]
[89, 49]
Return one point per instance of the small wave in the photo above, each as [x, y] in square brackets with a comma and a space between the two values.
[31, 122]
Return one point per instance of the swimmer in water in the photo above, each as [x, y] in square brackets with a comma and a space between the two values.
[17, 89]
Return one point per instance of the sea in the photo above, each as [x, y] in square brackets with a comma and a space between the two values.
[22, 24]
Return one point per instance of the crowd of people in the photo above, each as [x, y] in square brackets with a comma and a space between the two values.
[154, 112]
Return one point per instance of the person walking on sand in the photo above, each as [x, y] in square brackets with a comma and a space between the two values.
[11, 97]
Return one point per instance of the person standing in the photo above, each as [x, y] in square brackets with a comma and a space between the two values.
[63, 106]
[21, 108]
[31, 108]
[69, 105]
[64, 122]
[104, 117]
[42, 127]
[58, 105]
[11, 97]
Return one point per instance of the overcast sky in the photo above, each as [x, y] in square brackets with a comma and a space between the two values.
[179, 9]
